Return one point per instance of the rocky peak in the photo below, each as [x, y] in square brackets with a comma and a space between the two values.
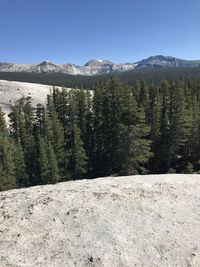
[97, 62]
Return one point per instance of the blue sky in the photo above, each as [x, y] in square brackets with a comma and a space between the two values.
[78, 30]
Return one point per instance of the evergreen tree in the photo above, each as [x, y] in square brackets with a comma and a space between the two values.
[20, 166]
[154, 123]
[134, 146]
[97, 144]
[7, 168]
[54, 172]
[107, 112]
[180, 127]
[55, 132]
[75, 146]
[43, 162]
[78, 162]
[163, 157]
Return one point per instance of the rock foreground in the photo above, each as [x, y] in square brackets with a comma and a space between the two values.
[151, 220]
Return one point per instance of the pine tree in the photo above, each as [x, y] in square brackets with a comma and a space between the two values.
[107, 112]
[77, 166]
[97, 144]
[180, 127]
[54, 173]
[7, 168]
[154, 120]
[20, 166]
[194, 141]
[3, 128]
[40, 120]
[78, 160]
[22, 120]
[89, 132]
[143, 99]
[43, 162]
[56, 137]
[8, 180]
[80, 96]
[134, 146]
[163, 157]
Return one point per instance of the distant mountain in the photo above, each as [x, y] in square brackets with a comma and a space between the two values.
[98, 62]
[131, 77]
[166, 62]
[99, 66]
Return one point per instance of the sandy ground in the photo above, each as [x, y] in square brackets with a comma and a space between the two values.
[130, 221]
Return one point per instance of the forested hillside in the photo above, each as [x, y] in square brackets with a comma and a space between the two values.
[115, 130]
[156, 75]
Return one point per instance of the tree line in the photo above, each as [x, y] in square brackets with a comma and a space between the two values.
[115, 129]
[154, 74]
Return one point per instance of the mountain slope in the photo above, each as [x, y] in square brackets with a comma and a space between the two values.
[167, 62]
[131, 77]
[150, 220]
[93, 67]
[99, 67]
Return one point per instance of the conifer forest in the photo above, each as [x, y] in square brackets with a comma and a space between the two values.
[113, 129]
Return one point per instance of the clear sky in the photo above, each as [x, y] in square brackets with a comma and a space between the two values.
[78, 30]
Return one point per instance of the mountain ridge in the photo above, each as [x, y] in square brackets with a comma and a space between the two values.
[99, 66]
